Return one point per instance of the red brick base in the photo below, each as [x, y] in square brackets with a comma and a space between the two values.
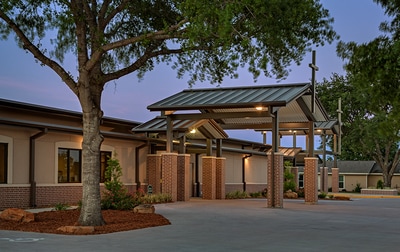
[335, 180]
[169, 173]
[183, 180]
[275, 180]
[311, 180]
[220, 178]
[208, 176]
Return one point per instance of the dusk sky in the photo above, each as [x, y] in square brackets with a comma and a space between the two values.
[24, 80]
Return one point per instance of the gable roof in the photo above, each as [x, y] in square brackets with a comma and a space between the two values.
[245, 107]
[203, 128]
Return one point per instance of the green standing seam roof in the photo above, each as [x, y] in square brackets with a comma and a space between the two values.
[232, 97]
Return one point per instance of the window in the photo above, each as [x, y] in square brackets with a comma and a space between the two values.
[104, 157]
[69, 165]
[301, 180]
[341, 181]
[3, 162]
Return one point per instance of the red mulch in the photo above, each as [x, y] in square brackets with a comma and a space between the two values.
[116, 221]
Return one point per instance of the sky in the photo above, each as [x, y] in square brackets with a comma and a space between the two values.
[23, 79]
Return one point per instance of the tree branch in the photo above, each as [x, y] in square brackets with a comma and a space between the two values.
[27, 45]
[158, 35]
[103, 19]
[139, 63]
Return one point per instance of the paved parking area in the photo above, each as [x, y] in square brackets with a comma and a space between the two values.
[362, 224]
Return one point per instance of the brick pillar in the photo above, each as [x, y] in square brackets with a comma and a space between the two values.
[335, 180]
[325, 179]
[183, 179]
[153, 172]
[295, 172]
[220, 177]
[321, 179]
[275, 172]
[311, 180]
[169, 174]
[208, 177]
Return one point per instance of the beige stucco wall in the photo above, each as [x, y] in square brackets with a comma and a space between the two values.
[18, 171]
[256, 169]
[46, 148]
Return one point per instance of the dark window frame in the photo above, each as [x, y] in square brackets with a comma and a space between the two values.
[104, 157]
[69, 178]
[4, 162]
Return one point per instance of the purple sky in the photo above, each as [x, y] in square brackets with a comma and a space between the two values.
[22, 79]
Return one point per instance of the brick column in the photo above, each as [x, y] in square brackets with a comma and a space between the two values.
[335, 180]
[321, 179]
[183, 179]
[208, 177]
[220, 177]
[325, 188]
[169, 174]
[275, 172]
[311, 180]
[295, 172]
[153, 171]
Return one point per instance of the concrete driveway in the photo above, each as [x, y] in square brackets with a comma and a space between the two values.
[362, 224]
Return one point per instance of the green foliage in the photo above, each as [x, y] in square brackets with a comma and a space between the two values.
[358, 188]
[207, 41]
[116, 196]
[155, 198]
[322, 195]
[256, 194]
[61, 206]
[379, 184]
[372, 69]
[236, 195]
[301, 193]
[289, 183]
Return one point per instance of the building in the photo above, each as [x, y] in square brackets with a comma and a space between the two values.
[40, 147]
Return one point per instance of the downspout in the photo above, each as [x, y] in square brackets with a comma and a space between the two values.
[244, 170]
[137, 163]
[197, 176]
[32, 151]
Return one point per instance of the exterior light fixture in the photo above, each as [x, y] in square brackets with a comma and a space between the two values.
[193, 131]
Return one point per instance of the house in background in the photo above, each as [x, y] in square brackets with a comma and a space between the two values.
[365, 173]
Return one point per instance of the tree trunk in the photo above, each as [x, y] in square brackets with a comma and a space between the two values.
[91, 207]
[387, 177]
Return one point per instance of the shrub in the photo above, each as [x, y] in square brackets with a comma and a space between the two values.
[236, 195]
[379, 184]
[322, 195]
[116, 195]
[288, 183]
[300, 193]
[265, 192]
[358, 188]
[255, 194]
[155, 198]
[61, 206]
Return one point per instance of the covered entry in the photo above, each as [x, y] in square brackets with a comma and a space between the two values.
[251, 107]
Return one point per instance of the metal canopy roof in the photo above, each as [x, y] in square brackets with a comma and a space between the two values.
[248, 107]
[232, 97]
[203, 128]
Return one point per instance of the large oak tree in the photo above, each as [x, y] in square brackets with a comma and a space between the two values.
[205, 39]
[370, 92]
